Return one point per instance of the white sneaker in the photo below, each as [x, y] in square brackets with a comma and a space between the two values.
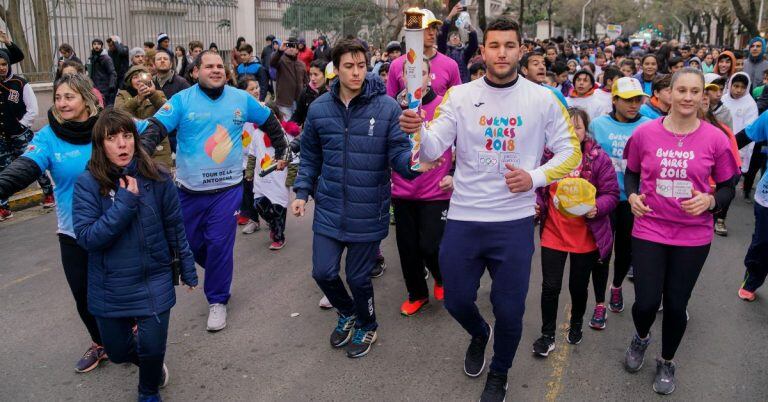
[325, 304]
[251, 226]
[217, 317]
[165, 377]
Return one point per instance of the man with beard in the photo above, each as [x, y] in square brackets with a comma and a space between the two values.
[169, 82]
[102, 72]
[500, 125]
[210, 117]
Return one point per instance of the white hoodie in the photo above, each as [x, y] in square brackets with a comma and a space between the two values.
[743, 112]
[493, 126]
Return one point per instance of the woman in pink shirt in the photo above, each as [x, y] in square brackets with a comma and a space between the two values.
[421, 208]
[669, 163]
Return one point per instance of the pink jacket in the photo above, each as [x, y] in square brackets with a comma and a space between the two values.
[426, 186]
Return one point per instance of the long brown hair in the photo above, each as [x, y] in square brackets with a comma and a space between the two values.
[112, 121]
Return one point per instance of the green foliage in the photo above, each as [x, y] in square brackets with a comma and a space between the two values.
[345, 17]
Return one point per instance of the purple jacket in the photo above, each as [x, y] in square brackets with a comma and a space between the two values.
[598, 169]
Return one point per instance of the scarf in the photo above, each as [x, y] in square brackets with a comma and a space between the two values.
[586, 95]
[73, 132]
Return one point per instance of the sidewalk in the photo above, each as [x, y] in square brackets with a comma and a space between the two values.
[29, 197]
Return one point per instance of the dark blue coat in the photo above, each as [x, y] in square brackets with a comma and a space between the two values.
[346, 155]
[127, 239]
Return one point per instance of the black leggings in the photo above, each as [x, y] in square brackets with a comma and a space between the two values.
[756, 163]
[552, 268]
[670, 271]
[622, 221]
[75, 262]
[419, 229]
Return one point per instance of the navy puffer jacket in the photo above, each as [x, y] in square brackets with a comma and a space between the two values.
[127, 238]
[346, 155]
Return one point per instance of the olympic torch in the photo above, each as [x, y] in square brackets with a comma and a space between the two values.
[414, 55]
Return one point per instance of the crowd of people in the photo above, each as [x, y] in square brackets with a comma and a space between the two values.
[154, 155]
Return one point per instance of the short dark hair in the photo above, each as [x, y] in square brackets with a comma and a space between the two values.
[559, 67]
[199, 59]
[611, 73]
[195, 44]
[319, 64]
[66, 47]
[245, 48]
[345, 46]
[619, 52]
[475, 67]
[674, 60]
[661, 82]
[552, 75]
[242, 81]
[384, 68]
[149, 44]
[527, 57]
[502, 23]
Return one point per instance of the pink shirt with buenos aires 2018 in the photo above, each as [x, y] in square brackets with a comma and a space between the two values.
[670, 168]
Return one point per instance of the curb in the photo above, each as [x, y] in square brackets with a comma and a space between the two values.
[28, 198]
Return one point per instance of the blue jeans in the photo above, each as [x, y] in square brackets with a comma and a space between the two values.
[147, 350]
[756, 259]
[506, 250]
[361, 258]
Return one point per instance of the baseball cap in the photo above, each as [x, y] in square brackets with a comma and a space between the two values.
[708, 81]
[429, 19]
[627, 88]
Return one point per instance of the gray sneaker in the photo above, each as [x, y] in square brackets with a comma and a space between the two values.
[635, 356]
[664, 383]
[217, 317]
[164, 377]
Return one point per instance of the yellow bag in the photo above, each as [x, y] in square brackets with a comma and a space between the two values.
[574, 197]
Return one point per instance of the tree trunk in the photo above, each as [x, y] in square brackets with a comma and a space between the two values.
[42, 37]
[12, 18]
[748, 18]
[481, 14]
[522, 14]
[549, 17]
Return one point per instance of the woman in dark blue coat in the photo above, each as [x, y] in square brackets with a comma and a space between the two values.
[126, 215]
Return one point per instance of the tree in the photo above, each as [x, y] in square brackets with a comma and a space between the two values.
[747, 17]
[11, 15]
[339, 17]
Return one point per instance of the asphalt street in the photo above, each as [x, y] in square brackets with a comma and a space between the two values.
[267, 354]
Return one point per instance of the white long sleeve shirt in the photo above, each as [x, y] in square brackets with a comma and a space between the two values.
[30, 101]
[493, 126]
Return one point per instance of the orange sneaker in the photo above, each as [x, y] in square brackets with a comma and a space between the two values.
[746, 295]
[410, 308]
[439, 292]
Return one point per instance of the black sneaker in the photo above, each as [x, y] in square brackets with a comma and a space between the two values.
[635, 356]
[378, 269]
[361, 343]
[664, 383]
[474, 359]
[495, 388]
[91, 359]
[343, 331]
[544, 345]
[574, 334]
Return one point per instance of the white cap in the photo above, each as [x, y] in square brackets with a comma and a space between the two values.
[627, 88]
[708, 79]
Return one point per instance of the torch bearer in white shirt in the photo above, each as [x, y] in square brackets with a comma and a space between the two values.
[414, 56]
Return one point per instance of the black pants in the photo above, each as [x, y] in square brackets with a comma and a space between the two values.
[756, 163]
[621, 222]
[246, 207]
[273, 214]
[756, 259]
[75, 262]
[670, 271]
[146, 350]
[552, 268]
[419, 229]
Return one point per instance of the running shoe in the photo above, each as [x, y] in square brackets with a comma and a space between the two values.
[251, 227]
[439, 292]
[342, 334]
[242, 220]
[49, 201]
[277, 245]
[361, 343]
[474, 359]
[5, 213]
[746, 295]
[324, 303]
[575, 335]
[426, 273]
[635, 355]
[664, 383]
[599, 316]
[164, 377]
[91, 359]
[631, 273]
[720, 228]
[378, 269]
[616, 303]
[544, 345]
[495, 387]
[747, 197]
[217, 317]
[409, 308]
